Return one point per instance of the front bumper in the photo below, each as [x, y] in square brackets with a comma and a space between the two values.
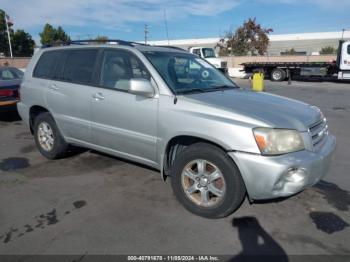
[268, 177]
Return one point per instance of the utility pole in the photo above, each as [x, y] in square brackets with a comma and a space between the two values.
[146, 33]
[342, 35]
[8, 34]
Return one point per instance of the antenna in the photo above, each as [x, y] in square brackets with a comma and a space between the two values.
[146, 33]
[166, 26]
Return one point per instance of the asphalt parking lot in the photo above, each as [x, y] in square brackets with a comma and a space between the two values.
[96, 204]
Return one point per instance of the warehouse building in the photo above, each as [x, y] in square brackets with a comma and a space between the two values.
[303, 43]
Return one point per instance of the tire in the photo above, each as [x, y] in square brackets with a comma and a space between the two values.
[278, 75]
[229, 181]
[58, 148]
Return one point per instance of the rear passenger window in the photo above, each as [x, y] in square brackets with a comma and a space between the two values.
[79, 66]
[46, 64]
[118, 66]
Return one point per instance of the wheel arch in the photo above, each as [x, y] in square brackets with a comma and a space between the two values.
[34, 111]
[176, 144]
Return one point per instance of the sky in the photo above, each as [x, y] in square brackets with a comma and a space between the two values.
[125, 19]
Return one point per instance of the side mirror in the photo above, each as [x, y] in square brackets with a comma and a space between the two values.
[142, 87]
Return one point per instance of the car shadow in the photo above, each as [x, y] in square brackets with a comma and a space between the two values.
[9, 116]
[257, 244]
[275, 200]
[124, 160]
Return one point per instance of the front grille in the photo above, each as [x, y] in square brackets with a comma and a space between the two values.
[318, 131]
[223, 64]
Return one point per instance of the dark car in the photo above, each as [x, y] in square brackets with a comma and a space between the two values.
[10, 80]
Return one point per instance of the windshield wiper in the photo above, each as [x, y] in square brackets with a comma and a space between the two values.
[221, 87]
[191, 90]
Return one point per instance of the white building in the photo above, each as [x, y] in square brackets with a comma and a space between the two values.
[303, 43]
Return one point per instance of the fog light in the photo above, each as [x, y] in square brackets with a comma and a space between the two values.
[295, 175]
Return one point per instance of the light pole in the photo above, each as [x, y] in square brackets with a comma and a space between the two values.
[8, 33]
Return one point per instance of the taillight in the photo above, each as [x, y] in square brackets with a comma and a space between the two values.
[6, 92]
[19, 93]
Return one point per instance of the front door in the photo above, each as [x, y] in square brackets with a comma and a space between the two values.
[123, 123]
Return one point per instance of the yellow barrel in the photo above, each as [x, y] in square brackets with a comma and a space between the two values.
[258, 82]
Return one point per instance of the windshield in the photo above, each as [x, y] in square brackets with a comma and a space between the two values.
[186, 73]
[208, 52]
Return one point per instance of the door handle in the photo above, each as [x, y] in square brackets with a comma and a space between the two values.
[98, 96]
[54, 87]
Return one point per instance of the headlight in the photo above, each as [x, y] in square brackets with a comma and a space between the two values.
[278, 141]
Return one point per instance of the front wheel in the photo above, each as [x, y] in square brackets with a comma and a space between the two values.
[207, 181]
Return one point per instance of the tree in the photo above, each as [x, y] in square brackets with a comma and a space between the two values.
[250, 38]
[22, 43]
[290, 52]
[4, 45]
[47, 35]
[61, 35]
[328, 50]
[101, 39]
[51, 35]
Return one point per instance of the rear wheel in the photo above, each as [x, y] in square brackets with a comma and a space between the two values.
[207, 182]
[278, 75]
[48, 138]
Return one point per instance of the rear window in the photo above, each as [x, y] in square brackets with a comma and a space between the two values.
[79, 66]
[46, 64]
[17, 73]
[7, 74]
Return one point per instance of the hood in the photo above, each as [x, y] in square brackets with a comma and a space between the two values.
[275, 111]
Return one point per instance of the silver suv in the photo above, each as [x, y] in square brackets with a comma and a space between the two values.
[173, 111]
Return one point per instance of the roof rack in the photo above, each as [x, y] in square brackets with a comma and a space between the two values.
[93, 41]
[170, 46]
[111, 41]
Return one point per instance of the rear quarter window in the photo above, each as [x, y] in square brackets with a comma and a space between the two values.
[46, 64]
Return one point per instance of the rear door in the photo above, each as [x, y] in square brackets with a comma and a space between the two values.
[70, 90]
[123, 123]
[345, 57]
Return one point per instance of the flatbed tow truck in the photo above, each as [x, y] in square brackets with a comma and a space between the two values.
[326, 71]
